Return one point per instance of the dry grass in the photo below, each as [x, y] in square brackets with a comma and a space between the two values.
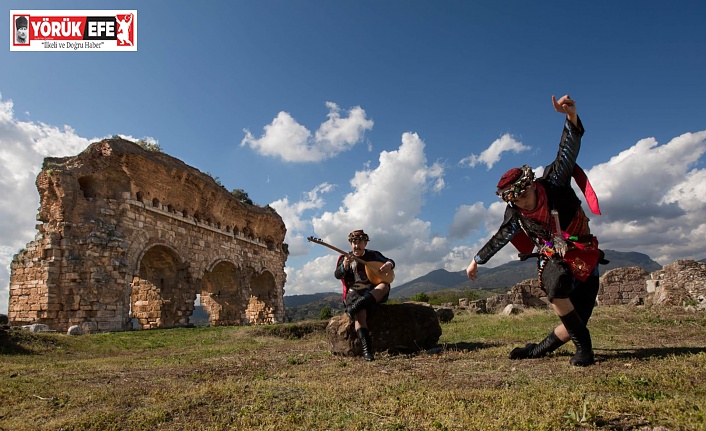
[651, 371]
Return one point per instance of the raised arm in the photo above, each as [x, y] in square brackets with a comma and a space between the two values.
[560, 171]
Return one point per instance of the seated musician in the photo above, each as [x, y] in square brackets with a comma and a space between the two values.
[361, 295]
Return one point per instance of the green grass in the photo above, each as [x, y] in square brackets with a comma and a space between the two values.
[651, 371]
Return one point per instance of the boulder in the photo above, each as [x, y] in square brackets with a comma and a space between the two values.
[446, 314]
[395, 328]
[74, 330]
[511, 309]
[36, 327]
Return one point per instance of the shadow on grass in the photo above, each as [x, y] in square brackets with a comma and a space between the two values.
[439, 348]
[467, 347]
[8, 346]
[650, 352]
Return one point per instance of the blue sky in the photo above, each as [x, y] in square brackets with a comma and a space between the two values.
[393, 116]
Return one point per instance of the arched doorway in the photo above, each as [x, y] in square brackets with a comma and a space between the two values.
[261, 308]
[221, 296]
[161, 294]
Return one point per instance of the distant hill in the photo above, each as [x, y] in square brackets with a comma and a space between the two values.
[298, 300]
[507, 275]
[308, 307]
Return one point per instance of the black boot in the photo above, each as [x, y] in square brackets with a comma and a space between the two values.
[359, 304]
[365, 341]
[581, 337]
[534, 350]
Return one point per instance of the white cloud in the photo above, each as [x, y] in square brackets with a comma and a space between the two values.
[292, 216]
[467, 219]
[386, 202]
[653, 199]
[491, 155]
[315, 276]
[292, 142]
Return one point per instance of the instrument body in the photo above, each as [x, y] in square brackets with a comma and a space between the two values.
[372, 268]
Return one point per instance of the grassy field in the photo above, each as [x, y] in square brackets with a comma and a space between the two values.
[651, 373]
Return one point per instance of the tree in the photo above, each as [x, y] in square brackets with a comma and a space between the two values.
[325, 313]
[242, 196]
[420, 297]
[149, 146]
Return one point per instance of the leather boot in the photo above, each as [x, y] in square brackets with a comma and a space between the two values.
[578, 332]
[359, 304]
[537, 350]
[366, 342]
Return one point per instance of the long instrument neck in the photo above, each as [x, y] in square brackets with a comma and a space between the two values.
[357, 259]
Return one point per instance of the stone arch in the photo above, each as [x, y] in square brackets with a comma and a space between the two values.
[261, 304]
[221, 295]
[161, 296]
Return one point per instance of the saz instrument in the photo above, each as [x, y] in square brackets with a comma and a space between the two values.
[372, 268]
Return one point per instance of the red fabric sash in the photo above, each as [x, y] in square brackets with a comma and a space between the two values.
[343, 280]
[587, 190]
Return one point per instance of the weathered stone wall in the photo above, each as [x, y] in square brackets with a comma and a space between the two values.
[130, 237]
[680, 283]
[622, 285]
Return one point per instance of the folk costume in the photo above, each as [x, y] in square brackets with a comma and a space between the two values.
[357, 288]
[558, 229]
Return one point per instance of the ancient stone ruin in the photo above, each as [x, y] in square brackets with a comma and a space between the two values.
[128, 238]
[682, 283]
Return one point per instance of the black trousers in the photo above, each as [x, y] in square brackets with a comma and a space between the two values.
[583, 295]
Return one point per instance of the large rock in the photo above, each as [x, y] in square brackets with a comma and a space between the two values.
[75, 330]
[36, 327]
[395, 328]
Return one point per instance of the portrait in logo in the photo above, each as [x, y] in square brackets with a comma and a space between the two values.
[21, 30]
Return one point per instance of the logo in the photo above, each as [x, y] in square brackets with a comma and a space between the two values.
[73, 30]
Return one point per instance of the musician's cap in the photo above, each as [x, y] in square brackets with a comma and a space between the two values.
[358, 234]
[21, 22]
[509, 177]
[514, 182]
